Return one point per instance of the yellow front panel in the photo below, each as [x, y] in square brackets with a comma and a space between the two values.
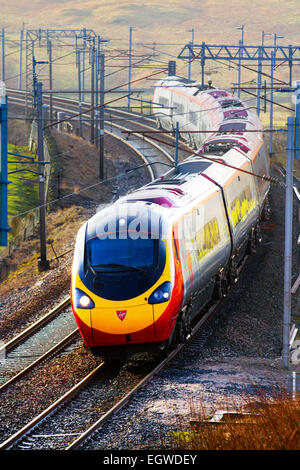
[136, 318]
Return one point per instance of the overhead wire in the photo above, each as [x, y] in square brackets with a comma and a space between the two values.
[220, 161]
[108, 91]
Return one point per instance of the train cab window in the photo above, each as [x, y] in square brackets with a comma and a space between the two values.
[234, 126]
[235, 114]
[134, 265]
[126, 252]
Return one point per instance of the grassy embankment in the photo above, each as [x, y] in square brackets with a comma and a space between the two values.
[23, 188]
[22, 191]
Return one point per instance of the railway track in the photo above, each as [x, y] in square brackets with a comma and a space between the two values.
[37, 343]
[157, 157]
[47, 426]
[19, 360]
[90, 403]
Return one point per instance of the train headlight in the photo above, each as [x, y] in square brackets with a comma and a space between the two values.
[161, 294]
[82, 300]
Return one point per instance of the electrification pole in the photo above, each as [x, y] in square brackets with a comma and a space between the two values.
[202, 63]
[176, 145]
[21, 56]
[129, 66]
[239, 67]
[83, 63]
[288, 240]
[43, 263]
[101, 140]
[271, 102]
[259, 70]
[3, 54]
[241, 44]
[190, 55]
[4, 228]
[50, 79]
[92, 51]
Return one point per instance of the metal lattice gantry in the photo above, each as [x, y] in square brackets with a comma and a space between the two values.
[82, 41]
[260, 54]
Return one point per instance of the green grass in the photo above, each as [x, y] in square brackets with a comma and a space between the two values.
[22, 190]
[23, 187]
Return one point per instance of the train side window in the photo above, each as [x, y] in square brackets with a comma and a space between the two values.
[193, 118]
[179, 108]
[163, 101]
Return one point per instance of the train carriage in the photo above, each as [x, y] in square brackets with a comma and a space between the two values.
[147, 265]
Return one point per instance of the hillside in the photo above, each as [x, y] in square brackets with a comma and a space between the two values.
[163, 26]
[167, 21]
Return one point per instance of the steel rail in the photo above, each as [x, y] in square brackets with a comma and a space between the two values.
[12, 440]
[28, 332]
[136, 133]
[107, 110]
[32, 328]
[124, 141]
[125, 113]
[41, 359]
[128, 144]
[139, 134]
[8, 443]
[21, 94]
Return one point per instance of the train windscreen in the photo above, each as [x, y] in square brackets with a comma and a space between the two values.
[121, 253]
[121, 269]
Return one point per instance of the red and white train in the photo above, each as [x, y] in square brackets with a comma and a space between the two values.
[147, 265]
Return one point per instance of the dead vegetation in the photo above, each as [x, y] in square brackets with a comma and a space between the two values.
[266, 424]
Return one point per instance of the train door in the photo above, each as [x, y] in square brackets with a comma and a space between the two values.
[260, 167]
[242, 204]
[179, 107]
[164, 109]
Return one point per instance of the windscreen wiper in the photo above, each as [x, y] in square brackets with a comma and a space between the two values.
[117, 265]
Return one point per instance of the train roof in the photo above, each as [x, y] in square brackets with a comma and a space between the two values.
[230, 117]
[196, 178]
[174, 80]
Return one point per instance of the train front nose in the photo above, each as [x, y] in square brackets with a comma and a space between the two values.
[119, 270]
[132, 320]
[123, 323]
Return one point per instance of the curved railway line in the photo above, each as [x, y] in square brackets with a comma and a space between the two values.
[40, 431]
[147, 149]
[32, 347]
